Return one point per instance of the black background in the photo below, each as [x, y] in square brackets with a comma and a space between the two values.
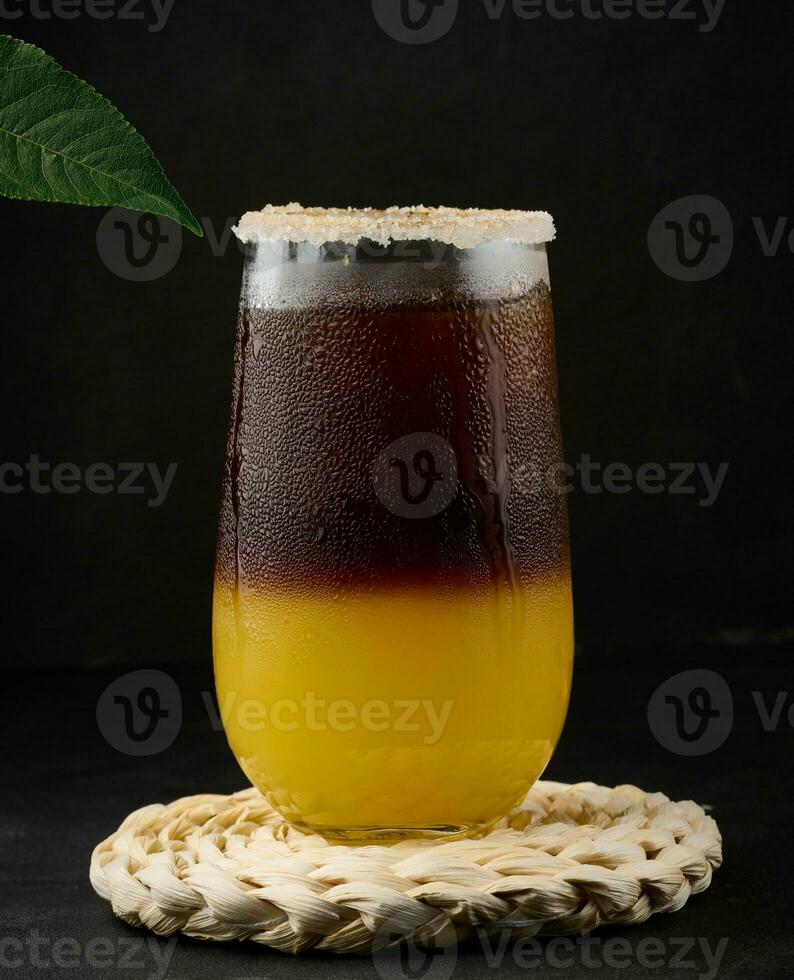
[603, 123]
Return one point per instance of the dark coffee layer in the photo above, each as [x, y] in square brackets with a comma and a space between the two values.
[394, 446]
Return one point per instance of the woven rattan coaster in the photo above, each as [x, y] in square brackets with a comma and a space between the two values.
[570, 858]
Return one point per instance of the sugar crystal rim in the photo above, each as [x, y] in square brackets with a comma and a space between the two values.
[460, 227]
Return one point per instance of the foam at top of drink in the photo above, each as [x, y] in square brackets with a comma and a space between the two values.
[463, 228]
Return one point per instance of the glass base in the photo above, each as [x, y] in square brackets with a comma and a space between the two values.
[389, 835]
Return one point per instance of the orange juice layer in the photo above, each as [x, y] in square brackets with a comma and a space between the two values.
[400, 709]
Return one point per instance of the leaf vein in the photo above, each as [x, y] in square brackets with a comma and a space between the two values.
[42, 148]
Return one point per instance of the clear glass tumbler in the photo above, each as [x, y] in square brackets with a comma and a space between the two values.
[392, 622]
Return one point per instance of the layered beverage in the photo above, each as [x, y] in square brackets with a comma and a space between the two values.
[392, 622]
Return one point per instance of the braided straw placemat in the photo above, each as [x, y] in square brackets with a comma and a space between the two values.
[568, 859]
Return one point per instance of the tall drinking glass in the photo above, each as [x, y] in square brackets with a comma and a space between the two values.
[392, 620]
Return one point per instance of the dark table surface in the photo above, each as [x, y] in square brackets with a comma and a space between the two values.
[66, 788]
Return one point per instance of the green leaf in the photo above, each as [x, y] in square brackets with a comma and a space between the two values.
[60, 140]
